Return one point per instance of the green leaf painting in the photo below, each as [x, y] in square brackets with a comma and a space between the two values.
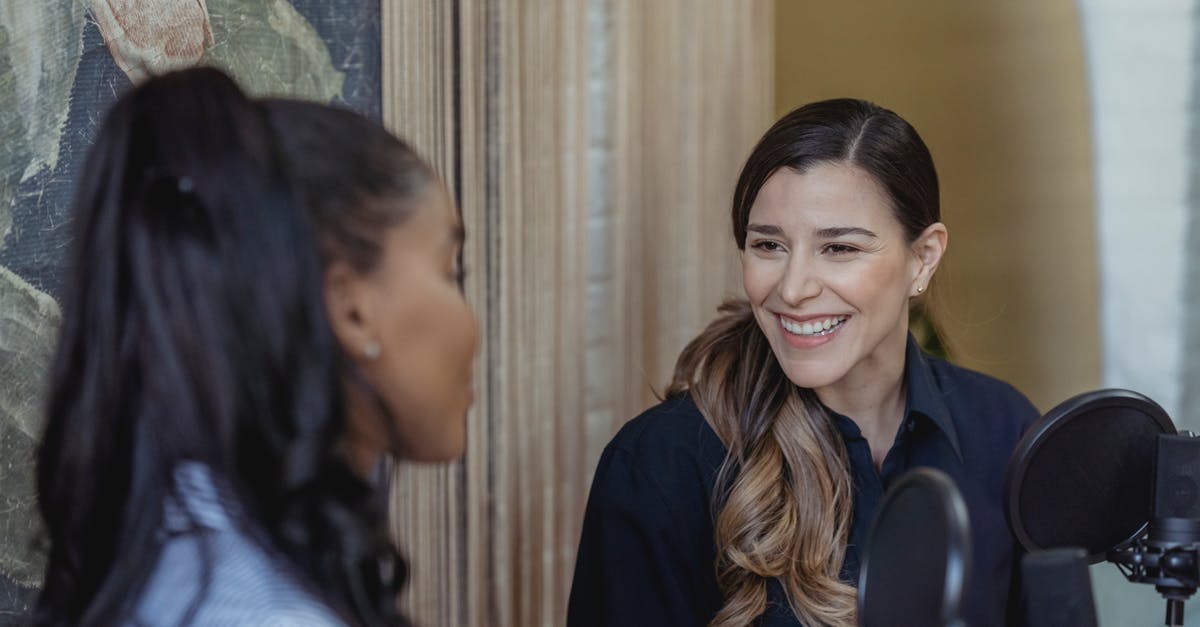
[39, 53]
[271, 49]
[28, 328]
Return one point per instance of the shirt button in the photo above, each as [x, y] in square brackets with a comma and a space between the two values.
[912, 426]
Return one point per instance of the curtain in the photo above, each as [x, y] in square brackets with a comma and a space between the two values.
[592, 146]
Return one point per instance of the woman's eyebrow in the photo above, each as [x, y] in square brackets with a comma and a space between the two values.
[765, 229]
[835, 232]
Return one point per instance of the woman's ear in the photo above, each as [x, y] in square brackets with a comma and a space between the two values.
[928, 249]
[348, 304]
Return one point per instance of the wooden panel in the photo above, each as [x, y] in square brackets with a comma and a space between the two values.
[592, 146]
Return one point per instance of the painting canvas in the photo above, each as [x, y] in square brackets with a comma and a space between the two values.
[62, 64]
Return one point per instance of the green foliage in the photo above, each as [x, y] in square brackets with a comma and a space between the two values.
[29, 323]
[40, 47]
[924, 329]
[271, 50]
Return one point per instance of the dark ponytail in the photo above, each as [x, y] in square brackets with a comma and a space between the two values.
[194, 329]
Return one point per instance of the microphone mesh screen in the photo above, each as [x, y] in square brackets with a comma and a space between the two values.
[1090, 483]
[1177, 488]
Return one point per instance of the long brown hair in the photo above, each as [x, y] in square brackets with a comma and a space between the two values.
[784, 499]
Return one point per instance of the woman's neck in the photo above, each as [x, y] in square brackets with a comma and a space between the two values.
[363, 440]
[872, 394]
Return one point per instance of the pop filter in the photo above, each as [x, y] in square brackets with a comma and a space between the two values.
[917, 555]
[1083, 474]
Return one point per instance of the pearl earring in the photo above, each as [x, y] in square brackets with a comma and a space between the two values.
[371, 350]
[920, 289]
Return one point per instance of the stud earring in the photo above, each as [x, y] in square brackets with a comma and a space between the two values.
[371, 350]
[920, 289]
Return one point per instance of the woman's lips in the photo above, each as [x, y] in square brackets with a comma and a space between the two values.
[813, 331]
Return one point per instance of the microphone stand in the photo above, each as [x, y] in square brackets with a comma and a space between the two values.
[1166, 557]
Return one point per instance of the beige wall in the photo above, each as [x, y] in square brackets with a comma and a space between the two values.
[997, 90]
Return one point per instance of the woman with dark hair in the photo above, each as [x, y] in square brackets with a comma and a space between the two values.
[226, 378]
[743, 498]
[394, 294]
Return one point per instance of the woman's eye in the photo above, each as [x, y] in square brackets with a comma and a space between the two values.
[839, 249]
[767, 245]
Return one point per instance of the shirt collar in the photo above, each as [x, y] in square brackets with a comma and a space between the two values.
[924, 395]
[200, 499]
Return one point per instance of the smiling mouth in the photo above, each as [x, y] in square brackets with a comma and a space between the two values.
[813, 328]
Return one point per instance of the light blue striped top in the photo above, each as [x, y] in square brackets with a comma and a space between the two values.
[247, 586]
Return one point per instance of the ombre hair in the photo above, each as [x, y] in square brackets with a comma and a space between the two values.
[784, 498]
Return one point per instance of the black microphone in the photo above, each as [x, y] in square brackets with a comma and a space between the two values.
[1177, 487]
[1083, 476]
[1169, 555]
[1058, 588]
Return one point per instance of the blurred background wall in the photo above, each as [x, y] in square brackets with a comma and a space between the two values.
[1142, 71]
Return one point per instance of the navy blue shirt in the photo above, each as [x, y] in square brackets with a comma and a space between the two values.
[647, 554]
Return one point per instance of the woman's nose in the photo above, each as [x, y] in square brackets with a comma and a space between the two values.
[798, 283]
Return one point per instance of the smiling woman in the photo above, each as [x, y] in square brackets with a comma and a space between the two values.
[743, 496]
[828, 271]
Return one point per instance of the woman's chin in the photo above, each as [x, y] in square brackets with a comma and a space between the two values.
[448, 446]
[811, 375]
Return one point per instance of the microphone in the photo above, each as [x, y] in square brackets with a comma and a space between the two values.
[1058, 588]
[917, 555]
[1106, 471]
[1168, 556]
[1081, 475]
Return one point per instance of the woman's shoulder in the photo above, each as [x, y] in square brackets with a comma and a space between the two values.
[213, 565]
[674, 425]
[225, 578]
[981, 393]
[668, 451]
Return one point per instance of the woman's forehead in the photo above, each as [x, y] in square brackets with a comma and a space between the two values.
[824, 196]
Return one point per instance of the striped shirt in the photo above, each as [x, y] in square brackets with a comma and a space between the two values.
[246, 585]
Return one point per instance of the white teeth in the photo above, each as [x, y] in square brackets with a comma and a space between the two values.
[818, 328]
